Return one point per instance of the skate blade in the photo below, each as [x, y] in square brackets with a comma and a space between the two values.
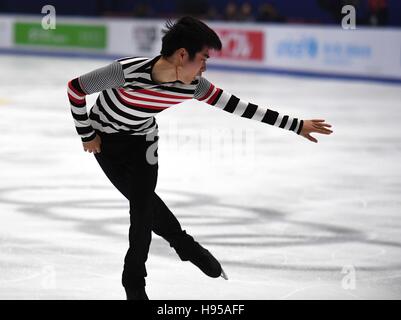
[223, 274]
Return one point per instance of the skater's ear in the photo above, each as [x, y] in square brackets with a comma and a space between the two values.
[182, 55]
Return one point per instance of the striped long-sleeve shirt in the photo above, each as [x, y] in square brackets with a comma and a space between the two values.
[129, 99]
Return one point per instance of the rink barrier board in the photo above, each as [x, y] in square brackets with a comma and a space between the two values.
[216, 67]
[303, 50]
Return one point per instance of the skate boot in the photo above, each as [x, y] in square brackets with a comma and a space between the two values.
[136, 293]
[190, 250]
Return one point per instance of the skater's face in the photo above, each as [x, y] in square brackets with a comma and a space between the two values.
[195, 67]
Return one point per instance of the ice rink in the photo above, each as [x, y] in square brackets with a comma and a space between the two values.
[287, 218]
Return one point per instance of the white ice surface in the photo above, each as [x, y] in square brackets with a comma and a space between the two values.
[285, 216]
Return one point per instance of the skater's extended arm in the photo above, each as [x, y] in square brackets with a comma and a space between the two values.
[217, 97]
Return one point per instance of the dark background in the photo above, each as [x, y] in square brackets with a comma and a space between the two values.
[369, 12]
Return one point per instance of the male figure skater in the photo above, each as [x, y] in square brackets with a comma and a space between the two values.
[122, 133]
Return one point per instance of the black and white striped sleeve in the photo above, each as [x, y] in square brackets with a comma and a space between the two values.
[110, 76]
[207, 92]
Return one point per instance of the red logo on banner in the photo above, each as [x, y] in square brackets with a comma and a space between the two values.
[240, 45]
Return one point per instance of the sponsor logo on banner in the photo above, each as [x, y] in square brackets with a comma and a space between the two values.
[66, 35]
[329, 52]
[246, 45]
[345, 53]
[145, 38]
[303, 48]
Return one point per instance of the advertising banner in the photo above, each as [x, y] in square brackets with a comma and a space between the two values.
[331, 50]
[140, 38]
[241, 44]
[365, 52]
[65, 35]
[5, 32]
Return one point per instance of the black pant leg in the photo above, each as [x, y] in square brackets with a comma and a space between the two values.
[123, 159]
[165, 224]
[141, 198]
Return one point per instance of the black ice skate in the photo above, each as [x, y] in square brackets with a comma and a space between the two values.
[190, 250]
[136, 294]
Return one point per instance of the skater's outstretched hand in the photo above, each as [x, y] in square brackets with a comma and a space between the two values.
[93, 145]
[315, 125]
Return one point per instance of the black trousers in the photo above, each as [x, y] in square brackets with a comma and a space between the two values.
[130, 163]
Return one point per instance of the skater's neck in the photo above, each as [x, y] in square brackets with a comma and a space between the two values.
[166, 70]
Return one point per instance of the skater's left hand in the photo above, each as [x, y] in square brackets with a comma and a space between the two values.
[93, 145]
[315, 125]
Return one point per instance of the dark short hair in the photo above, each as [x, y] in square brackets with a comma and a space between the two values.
[189, 33]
